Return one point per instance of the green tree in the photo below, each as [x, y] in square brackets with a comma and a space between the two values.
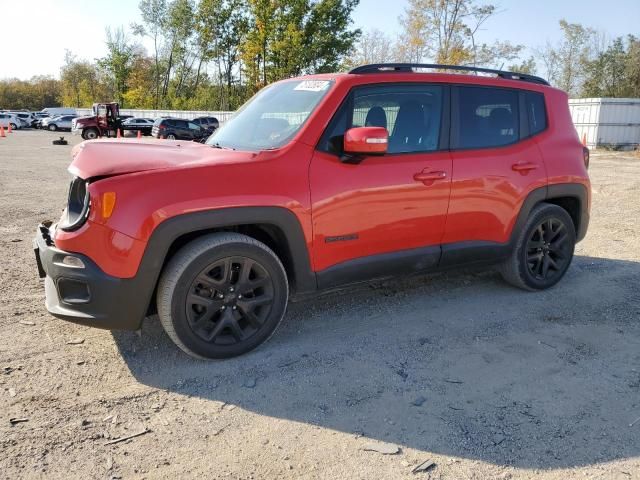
[614, 72]
[328, 36]
[564, 62]
[119, 62]
[290, 37]
[82, 82]
[526, 66]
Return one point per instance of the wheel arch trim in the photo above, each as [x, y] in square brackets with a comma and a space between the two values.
[170, 230]
[576, 191]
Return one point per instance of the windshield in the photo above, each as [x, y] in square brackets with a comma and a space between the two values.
[272, 117]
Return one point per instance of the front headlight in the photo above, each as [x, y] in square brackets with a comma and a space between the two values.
[78, 205]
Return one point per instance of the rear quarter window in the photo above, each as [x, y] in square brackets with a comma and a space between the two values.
[536, 112]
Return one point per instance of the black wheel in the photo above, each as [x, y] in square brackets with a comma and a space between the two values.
[543, 250]
[222, 295]
[90, 134]
[53, 127]
[13, 126]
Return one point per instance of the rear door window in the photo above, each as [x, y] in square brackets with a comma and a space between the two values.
[485, 117]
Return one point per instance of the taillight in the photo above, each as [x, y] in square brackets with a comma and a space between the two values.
[161, 127]
[585, 157]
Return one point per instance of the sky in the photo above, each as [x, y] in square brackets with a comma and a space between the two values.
[37, 32]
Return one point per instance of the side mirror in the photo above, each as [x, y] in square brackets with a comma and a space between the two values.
[364, 141]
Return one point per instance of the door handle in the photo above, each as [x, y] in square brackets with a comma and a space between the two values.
[429, 177]
[524, 167]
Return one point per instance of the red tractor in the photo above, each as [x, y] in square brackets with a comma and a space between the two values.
[105, 121]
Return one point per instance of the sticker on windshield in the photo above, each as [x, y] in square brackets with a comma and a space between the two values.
[313, 85]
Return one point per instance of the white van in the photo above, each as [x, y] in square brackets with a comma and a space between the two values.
[53, 111]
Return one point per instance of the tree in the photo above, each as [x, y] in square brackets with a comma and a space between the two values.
[153, 15]
[328, 36]
[34, 94]
[373, 46]
[118, 63]
[564, 61]
[446, 32]
[290, 37]
[615, 72]
[82, 82]
[527, 66]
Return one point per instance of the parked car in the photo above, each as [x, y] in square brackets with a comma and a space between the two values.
[7, 119]
[177, 129]
[26, 118]
[60, 122]
[136, 123]
[45, 121]
[315, 183]
[210, 124]
[38, 117]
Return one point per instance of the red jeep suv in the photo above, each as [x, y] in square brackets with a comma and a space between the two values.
[316, 182]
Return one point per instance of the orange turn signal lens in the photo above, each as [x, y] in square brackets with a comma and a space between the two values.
[108, 204]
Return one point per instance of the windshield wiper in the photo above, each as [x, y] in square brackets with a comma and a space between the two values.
[217, 145]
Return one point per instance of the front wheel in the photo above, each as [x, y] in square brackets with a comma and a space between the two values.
[90, 134]
[543, 250]
[53, 127]
[222, 295]
[13, 126]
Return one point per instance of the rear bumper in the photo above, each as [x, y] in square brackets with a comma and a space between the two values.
[87, 295]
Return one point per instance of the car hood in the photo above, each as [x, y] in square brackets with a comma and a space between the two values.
[84, 118]
[108, 157]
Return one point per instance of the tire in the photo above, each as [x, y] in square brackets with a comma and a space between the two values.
[171, 136]
[90, 134]
[53, 127]
[222, 295]
[13, 126]
[543, 249]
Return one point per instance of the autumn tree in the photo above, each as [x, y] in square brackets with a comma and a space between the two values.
[35, 94]
[447, 31]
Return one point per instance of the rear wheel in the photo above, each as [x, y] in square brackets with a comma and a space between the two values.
[90, 134]
[171, 136]
[543, 251]
[53, 127]
[13, 126]
[222, 295]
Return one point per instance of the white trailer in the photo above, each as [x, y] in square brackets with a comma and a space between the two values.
[607, 122]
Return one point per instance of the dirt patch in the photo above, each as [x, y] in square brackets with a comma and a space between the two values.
[484, 380]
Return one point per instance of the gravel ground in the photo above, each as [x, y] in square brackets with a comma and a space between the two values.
[484, 380]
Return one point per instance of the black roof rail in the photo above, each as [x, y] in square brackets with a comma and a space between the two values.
[410, 67]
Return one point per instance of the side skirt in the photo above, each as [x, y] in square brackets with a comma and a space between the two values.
[424, 259]
[379, 266]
